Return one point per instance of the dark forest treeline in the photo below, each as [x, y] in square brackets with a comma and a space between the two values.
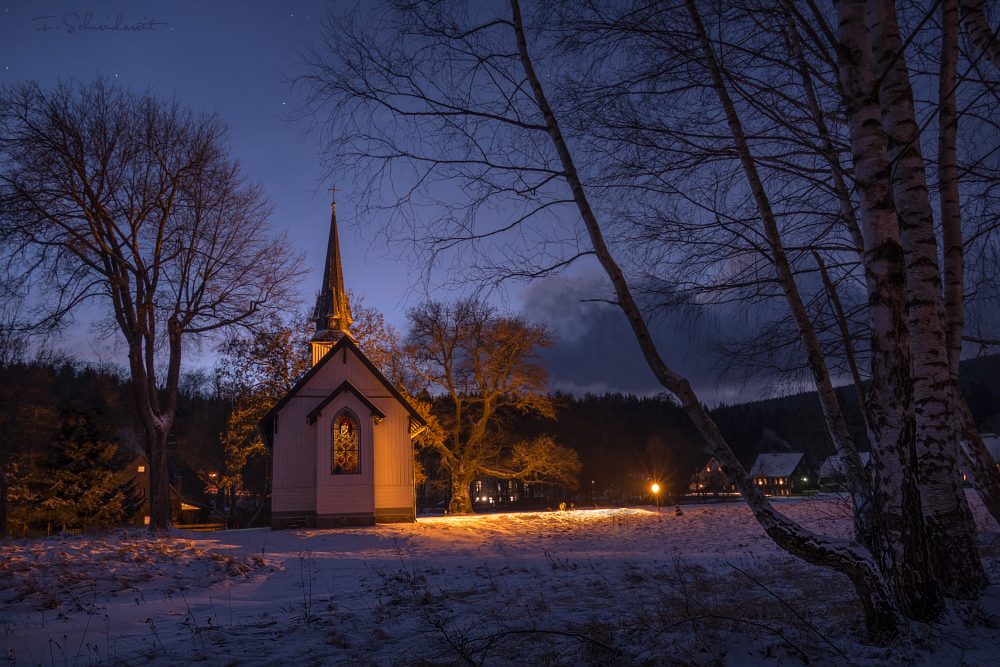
[795, 423]
[624, 442]
[67, 429]
[55, 413]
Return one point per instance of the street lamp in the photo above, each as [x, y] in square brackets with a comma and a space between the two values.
[656, 493]
[215, 482]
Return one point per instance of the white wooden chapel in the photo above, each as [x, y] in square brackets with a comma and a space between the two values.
[341, 439]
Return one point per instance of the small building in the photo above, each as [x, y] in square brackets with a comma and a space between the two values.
[492, 494]
[782, 474]
[832, 471]
[992, 442]
[341, 438]
[181, 510]
[710, 480]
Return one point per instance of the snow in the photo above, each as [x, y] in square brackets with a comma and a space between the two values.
[775, 465]
[580, 587]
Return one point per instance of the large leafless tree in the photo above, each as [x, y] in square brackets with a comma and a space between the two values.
[739, 144]
[132, 201]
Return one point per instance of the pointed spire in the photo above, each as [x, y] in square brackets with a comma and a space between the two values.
[333, 312]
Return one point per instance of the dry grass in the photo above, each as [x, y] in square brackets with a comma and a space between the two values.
[555, 605]
[66, 573]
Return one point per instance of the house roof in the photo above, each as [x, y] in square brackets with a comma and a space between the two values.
[992, 443]
[344, 342]
[713, 465]
[834, 465]
[775, 465]
[345, 386]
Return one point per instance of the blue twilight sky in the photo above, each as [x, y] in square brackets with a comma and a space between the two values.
[235, 58]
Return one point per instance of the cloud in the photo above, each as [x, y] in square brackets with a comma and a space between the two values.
[596, 350]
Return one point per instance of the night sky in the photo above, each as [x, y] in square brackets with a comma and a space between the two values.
[235, 58]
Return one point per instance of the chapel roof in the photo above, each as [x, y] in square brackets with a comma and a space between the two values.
[348, 343]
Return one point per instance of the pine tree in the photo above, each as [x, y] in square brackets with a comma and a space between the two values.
[75, 485]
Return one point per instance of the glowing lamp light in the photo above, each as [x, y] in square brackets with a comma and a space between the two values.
[656, 488]
[656, 492]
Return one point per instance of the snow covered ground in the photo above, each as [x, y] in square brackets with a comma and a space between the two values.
[585, 587]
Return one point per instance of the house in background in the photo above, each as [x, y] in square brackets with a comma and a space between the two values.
[181, 511]
[710, 480]
[992, 442]
[832, 473]
[341, 438]
[782, 474]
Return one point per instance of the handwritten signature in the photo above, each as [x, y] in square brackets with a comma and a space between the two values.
[74, 23]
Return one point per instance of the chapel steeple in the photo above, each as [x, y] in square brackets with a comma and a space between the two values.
[333, 312]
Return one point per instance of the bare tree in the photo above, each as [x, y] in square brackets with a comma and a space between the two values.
[485, 366]
[123, 198]
[477, 113]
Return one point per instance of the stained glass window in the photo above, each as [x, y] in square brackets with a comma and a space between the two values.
[345, 452]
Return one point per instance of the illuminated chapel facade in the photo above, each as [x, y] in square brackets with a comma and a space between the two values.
[341, 438]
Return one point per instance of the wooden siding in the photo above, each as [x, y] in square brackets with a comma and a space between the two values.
[294, 460]
[302, 451]
[344, 493]
[357, 499]
[393, 447]
[394, 459]
[293, 499]
[393, 496]
[319, 349]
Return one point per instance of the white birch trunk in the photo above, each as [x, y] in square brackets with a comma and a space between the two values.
[868, 528]
[826, 147]
[951, 531]
[980, 32]
[890, 409]
[845, 556]
[951, 212]
[983, 471]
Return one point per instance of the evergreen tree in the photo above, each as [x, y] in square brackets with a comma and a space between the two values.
[75, 485]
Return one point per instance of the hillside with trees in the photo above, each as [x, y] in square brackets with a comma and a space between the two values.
[68, 431]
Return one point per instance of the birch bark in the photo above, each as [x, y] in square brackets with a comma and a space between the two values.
[846, 556]
[985, 475]
[890, 400]
[826, 147]
[867, 526]
[980, 32]
[950, 528]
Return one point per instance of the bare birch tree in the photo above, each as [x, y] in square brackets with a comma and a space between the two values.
[477, 114]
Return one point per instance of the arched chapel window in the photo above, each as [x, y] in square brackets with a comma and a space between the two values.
[345, 455]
